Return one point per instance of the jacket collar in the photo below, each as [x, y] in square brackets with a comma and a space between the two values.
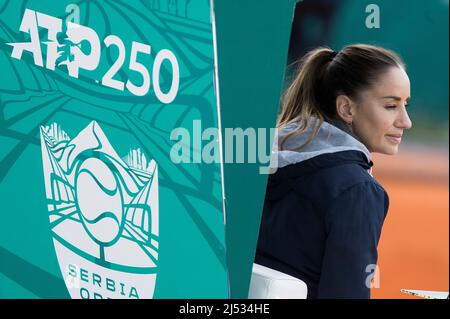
[331, 138]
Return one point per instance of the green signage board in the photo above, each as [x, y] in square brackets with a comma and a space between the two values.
[99, 199]
[111, 174]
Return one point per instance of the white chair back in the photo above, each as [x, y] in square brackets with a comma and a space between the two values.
[267, 283]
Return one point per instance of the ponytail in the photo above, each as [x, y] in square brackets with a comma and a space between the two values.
[301, 99]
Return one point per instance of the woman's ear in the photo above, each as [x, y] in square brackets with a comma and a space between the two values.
[344, 108]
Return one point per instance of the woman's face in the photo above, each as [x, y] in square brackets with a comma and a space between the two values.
[380, 116]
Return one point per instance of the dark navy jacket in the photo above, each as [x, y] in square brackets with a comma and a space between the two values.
[323, 215]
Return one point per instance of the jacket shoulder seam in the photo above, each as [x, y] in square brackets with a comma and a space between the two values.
[349, 188]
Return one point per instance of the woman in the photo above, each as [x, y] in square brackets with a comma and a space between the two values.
[323, 210]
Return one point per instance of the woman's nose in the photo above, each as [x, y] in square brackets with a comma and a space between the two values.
[403, 121]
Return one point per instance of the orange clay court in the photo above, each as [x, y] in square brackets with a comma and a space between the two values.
[414, 246]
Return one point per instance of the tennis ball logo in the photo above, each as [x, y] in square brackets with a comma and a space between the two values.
[99, 201]
[103, 213]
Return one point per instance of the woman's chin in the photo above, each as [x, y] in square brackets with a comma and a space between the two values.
[389, 150]
[385, 149]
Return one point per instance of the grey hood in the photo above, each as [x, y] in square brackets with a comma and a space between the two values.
[330, 139]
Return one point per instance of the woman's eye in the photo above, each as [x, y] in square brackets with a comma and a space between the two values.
[391, 106]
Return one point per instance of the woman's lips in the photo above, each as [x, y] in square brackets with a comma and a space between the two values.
[394, 138]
